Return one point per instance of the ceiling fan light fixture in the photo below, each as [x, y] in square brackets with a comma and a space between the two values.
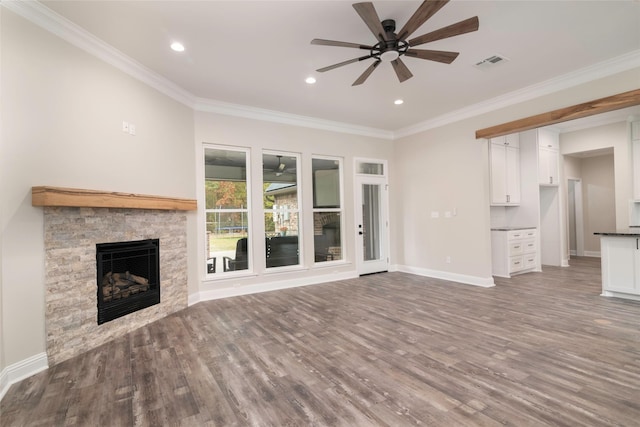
[390, 55]
[398, 102]
[310, 80]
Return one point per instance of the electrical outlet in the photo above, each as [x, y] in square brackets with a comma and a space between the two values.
[435, 214]
[447, 214]
[132, 129]
[448, 260]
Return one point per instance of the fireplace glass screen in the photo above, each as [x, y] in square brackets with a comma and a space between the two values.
[128, 277]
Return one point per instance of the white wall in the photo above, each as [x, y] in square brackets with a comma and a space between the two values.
[598, 199]
[438, 171]
[614, 135]
[62, 113]
[598, 196]
[262, 135]
[446, 167]
[2, 319]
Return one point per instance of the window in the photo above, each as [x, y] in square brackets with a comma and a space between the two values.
[327, 209]
[227, 210]
[369, 168]
[281, 209]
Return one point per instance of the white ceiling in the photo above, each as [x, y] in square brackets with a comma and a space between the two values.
[258, 53]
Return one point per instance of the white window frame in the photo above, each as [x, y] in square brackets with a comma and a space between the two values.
[298, 210]
[248, 211]
[340, 210]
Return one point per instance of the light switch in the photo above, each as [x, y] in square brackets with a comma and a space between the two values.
[125, 126]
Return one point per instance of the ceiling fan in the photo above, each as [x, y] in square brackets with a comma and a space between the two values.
[280, 168]
[391, 45]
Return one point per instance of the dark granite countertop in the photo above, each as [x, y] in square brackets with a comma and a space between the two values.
[511, 228]
[630, 232]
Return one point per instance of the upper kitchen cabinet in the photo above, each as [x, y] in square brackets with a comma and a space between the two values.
[504, 156]
[548, 157]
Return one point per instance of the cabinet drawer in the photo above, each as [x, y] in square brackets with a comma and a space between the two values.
[515, 234]
[529, 246]
[516, 248]
[529, 260]
[529, 234]
[516, 263]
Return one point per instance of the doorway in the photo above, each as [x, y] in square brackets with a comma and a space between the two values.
[371, 207]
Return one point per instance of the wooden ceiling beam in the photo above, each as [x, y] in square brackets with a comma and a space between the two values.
[586, 109]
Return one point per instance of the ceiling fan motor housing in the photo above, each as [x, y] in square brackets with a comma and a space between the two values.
[391, 48]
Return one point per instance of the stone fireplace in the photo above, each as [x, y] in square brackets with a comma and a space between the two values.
[70, 238]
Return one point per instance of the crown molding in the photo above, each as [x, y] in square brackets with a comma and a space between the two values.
[44, 17]
[596, 71]
[213, 106]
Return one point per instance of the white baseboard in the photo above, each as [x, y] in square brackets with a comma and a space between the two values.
[266, 287]
[595, 254]
[620, 295]
[452, 277]
[21, 370]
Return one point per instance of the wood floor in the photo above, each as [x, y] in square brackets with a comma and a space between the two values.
[389, 349]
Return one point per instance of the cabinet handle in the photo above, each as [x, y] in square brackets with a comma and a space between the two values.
[636, 244]
[550, 180]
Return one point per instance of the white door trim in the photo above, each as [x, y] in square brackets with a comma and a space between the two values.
[362, 266]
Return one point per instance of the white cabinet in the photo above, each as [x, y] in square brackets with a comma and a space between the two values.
[514, 251]
[620, 257]
[548, 158]
[505, 170]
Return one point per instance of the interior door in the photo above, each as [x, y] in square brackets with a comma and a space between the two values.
[371, 225]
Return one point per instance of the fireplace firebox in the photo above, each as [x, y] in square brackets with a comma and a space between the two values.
[128, 277]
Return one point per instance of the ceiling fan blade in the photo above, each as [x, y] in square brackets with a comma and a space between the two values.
[427, 9]
[323, 42]
[366, 73]
[340, 64]
[370, 17]
[401, 70]
[462, 27]
[433, 55]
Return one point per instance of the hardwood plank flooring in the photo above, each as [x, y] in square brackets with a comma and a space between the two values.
[391, 349]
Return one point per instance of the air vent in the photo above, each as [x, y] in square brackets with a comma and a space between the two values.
[491, 61]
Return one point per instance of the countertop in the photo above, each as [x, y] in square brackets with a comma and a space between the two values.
[517, 228]
[630, 232]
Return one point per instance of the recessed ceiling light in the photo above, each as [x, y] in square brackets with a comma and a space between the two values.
[178, 47]
[310, 80]
[398, 102]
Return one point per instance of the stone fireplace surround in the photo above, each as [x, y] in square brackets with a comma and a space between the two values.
[70, 238]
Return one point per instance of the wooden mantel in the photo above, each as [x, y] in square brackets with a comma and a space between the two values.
[73, 197]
